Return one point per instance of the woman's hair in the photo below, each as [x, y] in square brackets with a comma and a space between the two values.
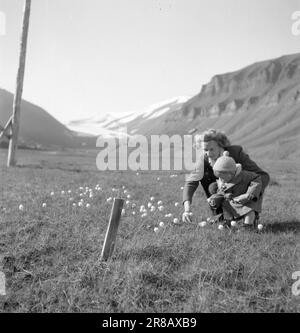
[212, 135]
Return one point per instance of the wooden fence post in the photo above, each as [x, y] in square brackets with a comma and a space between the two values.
[112, 229]
[13, 142]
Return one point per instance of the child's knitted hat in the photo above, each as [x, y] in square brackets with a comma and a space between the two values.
[225, 163]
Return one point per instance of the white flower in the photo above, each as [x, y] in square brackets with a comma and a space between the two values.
[88, 205]
[127, 202]
[181, 188]
[152, 198]
[128, 196]
[52, 193]
[149, 205]
[109, 199]
[44, 205]
[159, 203]
[74, 204]
[161, 208]
[156, 229]
[161, 224]
[21, 207]
[260, 227]
[142, 208]
[202, 224]
[62, 192]
[125, 191]
[133, 213]
[176, 221]
[133, 205]
[69, 191]
[158, 178]
[144, 215]
[71, 199]
[152, 209]
[220, 227]
[233, 223]
[176, 204]
[79, 204]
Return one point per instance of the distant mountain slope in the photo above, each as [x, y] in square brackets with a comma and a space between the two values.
[38, 127]
[258, 106]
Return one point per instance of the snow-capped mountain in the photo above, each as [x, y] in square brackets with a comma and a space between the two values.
[94, 125]
[110, 125]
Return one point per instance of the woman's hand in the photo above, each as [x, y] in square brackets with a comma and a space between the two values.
[186, 217]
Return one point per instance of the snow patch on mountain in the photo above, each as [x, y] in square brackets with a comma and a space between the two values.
[108, 125]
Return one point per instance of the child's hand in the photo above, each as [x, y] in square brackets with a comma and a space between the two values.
[242, 199]
[228, 196]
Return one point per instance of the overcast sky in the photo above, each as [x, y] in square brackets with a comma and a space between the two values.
[88, 57]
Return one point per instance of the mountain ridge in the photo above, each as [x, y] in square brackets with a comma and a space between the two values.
[38, 128]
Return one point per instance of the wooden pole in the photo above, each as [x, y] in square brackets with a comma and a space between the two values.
[13, 142]
[112, 229]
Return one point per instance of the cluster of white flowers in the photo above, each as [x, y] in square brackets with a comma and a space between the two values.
[147, 209]
[84, 193]
[144, 210]
[151, 208]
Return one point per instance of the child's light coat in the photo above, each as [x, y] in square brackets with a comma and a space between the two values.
[244, 182]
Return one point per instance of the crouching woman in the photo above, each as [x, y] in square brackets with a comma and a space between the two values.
[212, 144]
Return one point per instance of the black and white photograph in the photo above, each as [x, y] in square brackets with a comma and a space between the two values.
[149, 159]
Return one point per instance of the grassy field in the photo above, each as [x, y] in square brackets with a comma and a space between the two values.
[50, 255]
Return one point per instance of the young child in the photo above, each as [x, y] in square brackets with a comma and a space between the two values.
[238, 192]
